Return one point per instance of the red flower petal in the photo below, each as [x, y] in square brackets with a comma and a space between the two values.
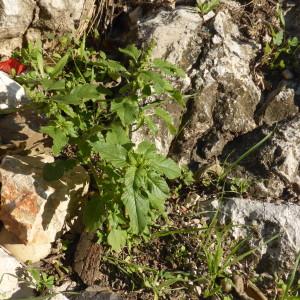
[12, 63]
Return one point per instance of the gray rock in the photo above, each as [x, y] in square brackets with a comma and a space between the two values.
[10, 286]
[267, 220]
[279, 105]
[59, 297]
[15, 18]
[12, 94]
[59, 15]
[281, 155]
[176, 34]
[20, 17]
[94, 293]
[274, 168]
[178, 40]
[226, 99]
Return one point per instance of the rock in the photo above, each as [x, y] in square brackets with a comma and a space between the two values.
[59, 15]
[269, 220]
[19, 133]
[10, 270]
[178, 40]
[59, 297]
[208, 16]
[16, 16]
[33, 35]
[279, 105]
[281, 154]
[12, 95]
[183, 46]
[96, 293]
[29, 20]
[274, 168]
[287, 74]
[33, 209]
[226, 96]
[32, 252]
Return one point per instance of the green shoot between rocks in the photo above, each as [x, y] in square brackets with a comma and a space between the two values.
[280, 51]
[94, 104]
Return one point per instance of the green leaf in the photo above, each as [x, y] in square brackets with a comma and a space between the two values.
[117, 135]
[178, 97]
[117, 239]
[59, 137]
[278, 38]
[158, 191]
[293, 42]
[94, 212]
[126, 109]
[168, 68]
[267, 49]
[136, 205]
[166, 166]
[147, 149]
[53, 85]
[85, 91]
[113, 68]
[131, 51]
[114, 154]
[59, 66]
[67, 109]
[207, 6]
[79, 95]
[280, 14]
[40, 63]
[150, 124]
[159, 84]
[166, 117]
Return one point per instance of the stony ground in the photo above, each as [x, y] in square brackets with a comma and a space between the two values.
[234, 232]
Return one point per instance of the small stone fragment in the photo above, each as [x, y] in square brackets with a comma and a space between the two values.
[12, 95]
[226, 285]
[238, 284]
[287, 74]
[208, 16]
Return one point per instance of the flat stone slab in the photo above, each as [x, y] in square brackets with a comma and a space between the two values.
[10, 288]
[268, 220]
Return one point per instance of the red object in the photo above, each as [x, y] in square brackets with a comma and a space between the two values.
[12, 63]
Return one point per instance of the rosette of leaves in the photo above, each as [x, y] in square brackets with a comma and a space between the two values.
[94, 103]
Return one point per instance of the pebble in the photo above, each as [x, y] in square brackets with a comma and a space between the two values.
[208, 16]
[287, 74]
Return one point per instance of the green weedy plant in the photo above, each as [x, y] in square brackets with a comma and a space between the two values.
[205, 6]
[94, 104]
[290, 289]
[280, 51]
[42, 282]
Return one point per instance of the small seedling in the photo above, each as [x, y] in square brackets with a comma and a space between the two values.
[205, 6]
[42, 281]
[280, 51]
[290, 290]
